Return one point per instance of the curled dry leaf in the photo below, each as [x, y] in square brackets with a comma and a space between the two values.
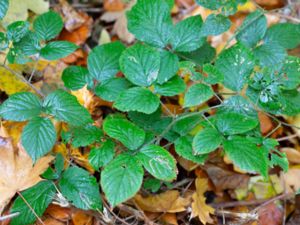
[17, 171]
[292, 154]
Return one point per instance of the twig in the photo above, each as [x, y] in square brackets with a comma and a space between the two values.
[34, 69]
[6, 217]
[273, 130]
[287, 137]
[115, 215]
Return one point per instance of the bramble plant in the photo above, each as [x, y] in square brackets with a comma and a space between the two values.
[261, 75]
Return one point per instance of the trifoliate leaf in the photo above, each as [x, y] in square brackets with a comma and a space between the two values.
[169, 65]
[3, 8]
[57, 49]
[158, 162]
[213, 75]
[187, 36]
[206, 141]
[215, 25]
[80, 188]
[121, 178]
[172, 87]
[17, 30]
[197, 94]
[246, 155]
[48, 25]
[38, 137]
[29, 45]
[111, 89]
[137, 99]
[253, 29]
[75, 77]
[38, 197]
[103, 61]
[183, 147]
[21, 106]
[150, 21]
[270, 54]
[65, 107]
[84, 136]
[101, 156]
[236, 63]
[124, 131]
[140, 64]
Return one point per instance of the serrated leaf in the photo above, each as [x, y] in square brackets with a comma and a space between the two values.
[206, 141]
[215, 24]
[38, 137]
[140, 64]
[246, 155]
[280, 160]
[253, 29]
[111, 89]
[158, 162]
[75, 77]
[214, 76]
[183, 147]
[65, 107]
[150, 21]
[137, 99]
[174, 86]
[169, 65]
[270, 54]
[103, 61]
[21, 106]
[291, 71]
[187, 36]
[29, 44]
[17, 30]
[84, 136]
[48, 25]
[285, 34]
[101, 156]
[236, 63]
[80, 188]
[234, 123]
[3, 8]
[185, 125]
[38, 197]
[124, 131]
[57, 49]
[197, 94]
[121, 179]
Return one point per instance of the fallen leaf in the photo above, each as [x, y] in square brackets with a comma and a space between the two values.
[270, 214]
[169, 218]
[12, 130]
[199, 206]
[17, 172]
[292, 154]
[266, 124]
[113, 5]
[292, 179]
[59, 213]
[104, 37]
[51, 221]
[295, 218]
[81, 218]
[264, 189]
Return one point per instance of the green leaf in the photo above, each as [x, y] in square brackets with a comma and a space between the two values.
[280, 160]
[84, 136]
[185, 125]
[285, 34]
[187, 36]
[152, 185]
[206, 141]
[17, 30]
[236, 63]
[215, 25]
[270, 54]
[4, 43]
[172, 87]
[158, 162]
[65, 107]
[103, 61]
[3, 8]
[234, 123]
[111, 89]
[75, 77]
[29, 45]
[48, 25]
[140, 64]
[291, 71]
[57, 49]
[246, 155]
[183, 147]
[38, 197]
[101, 156]
[228, 7]
[253, 29]
[80, 188]
[137, 99]
[21, 106]
[124, 131]
[169, 65]
[214, 76]
[150, 21]
[197, 94]
[38, 137]
[121, 179]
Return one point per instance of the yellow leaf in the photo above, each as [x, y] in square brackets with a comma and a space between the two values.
[199, 207]
[11, 84]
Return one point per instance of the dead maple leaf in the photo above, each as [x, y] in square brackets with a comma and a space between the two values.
[17, 171]
[199, 207]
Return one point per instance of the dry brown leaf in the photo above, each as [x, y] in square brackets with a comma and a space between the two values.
[17, 172]
[81, 218]
[113, 5]
[169, 218]
[51, 221]
[169, 201]
[292, 179]
[266, 124]
[292, 154]
[270, 214]
[58, 212]
[199, 207]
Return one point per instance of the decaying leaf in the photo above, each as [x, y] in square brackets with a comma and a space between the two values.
[199, 207]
